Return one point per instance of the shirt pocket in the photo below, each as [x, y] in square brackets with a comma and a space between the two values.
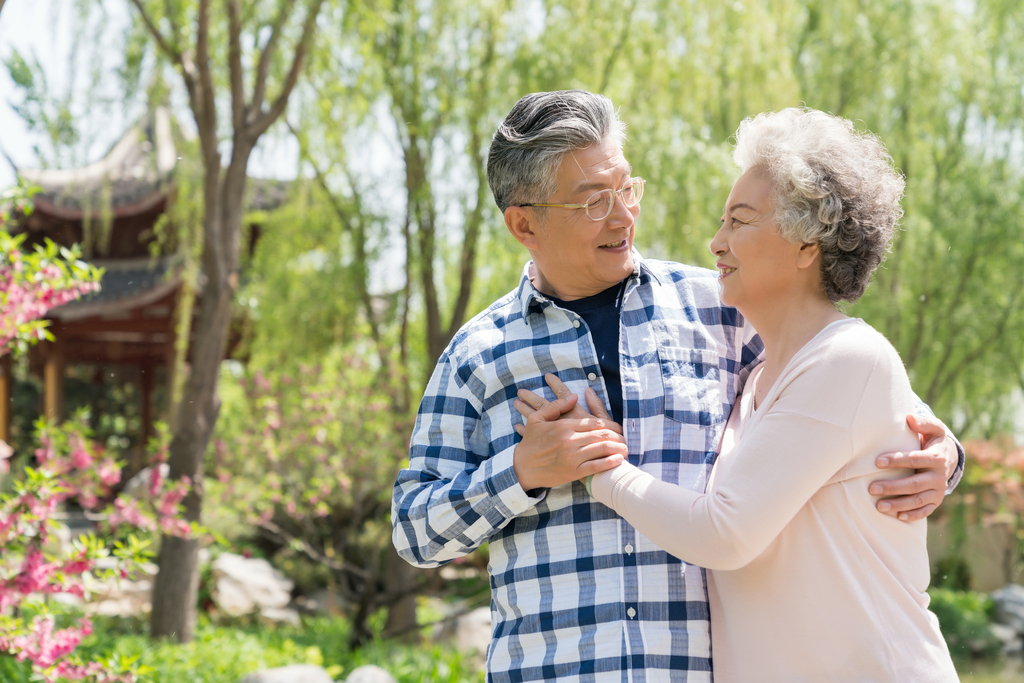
[692, 384]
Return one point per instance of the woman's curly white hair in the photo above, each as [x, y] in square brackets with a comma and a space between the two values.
[833, 187]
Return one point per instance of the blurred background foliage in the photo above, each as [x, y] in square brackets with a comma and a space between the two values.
[390, 240]
[392, 235]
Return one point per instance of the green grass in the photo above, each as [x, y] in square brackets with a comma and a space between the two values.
[990, 672]
[225, 654]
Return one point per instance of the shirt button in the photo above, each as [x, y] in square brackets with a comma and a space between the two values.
[632, 424]
[629, 548]
[576, 323]
[592, 377]
[631, 612]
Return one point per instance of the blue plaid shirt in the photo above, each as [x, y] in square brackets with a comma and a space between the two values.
[577, 593]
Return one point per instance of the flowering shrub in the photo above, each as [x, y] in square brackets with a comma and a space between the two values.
[33, 283]
[71, 467]
[310, 462]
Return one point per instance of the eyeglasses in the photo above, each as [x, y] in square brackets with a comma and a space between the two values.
[601, 203]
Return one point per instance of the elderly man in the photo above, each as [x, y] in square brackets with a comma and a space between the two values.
[577, 593]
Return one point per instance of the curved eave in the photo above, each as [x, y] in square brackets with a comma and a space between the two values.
[48, 208]
[116, 308]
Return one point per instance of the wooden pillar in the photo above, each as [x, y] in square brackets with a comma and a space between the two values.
[146, 393]
[6, 383]
[53, 382]
[171, 356]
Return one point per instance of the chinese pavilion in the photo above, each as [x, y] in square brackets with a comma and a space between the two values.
[112, 208]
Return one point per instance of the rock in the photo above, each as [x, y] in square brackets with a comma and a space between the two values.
[1008, 636]
[322, 601]
[473, 631]
[295, 673]
[1009, 601]
[138, 486]
[286, 615]
[118, 597]
[244, 585]
[370, 674]
[59, 541]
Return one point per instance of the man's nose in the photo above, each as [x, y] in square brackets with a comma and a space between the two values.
[620, 212]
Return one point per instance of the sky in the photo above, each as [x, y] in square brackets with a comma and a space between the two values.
[44, 28]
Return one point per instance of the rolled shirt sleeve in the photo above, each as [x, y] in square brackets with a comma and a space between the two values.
[455, 494]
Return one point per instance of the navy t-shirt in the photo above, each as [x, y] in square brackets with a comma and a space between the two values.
[601, 314]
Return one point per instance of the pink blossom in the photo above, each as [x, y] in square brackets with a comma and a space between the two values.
[155, 479]
[44, 646]
[126, 511]
[175, 527]
[34, 574]
[108, 472]
[80, 456]
[5, 452]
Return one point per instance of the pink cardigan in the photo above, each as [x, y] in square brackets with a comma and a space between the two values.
[808, 581]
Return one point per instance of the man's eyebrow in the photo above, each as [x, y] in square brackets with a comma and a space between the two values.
[596, 186]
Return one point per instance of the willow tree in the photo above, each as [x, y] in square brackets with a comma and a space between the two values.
[245, 60]
[941, 83]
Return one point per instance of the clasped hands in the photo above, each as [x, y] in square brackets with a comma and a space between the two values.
[562, 442]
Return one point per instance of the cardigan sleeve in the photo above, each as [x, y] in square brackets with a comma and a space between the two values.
[803, 440]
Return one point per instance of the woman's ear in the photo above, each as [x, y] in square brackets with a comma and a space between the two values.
[521, 221]
[808, 255]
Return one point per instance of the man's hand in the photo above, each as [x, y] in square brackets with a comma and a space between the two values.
[557, 451]
[922, 492]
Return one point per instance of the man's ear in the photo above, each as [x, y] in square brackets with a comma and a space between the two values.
[521, 221]
[808, 255]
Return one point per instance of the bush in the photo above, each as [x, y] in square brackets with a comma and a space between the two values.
[964, 618]
[222, 654]
[309, 462]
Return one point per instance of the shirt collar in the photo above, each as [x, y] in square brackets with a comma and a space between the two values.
[532, 300]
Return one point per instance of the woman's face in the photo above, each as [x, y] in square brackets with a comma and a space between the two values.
[757, 266]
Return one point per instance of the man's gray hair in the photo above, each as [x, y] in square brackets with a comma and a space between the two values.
[536, 135]
[833, 187]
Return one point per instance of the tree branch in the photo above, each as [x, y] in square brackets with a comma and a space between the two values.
[467, 261]
[207, 104]
[454, 616]
[177, 57]
[347, 221]
[617, 49]
[235, 64]
[264, 119]
[312, 553]
[266, 56]
[167, 48]
[175, 28]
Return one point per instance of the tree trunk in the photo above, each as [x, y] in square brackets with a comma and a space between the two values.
[399, 575]
[176, 586]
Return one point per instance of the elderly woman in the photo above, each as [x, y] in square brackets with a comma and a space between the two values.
[808, 582]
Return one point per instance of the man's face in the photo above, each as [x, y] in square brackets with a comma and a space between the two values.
[575, 256]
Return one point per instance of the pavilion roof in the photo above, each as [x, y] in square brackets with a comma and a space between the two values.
[127, 284]
[133, 177]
